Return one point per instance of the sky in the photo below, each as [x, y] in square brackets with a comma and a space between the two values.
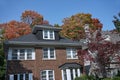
[56, 10]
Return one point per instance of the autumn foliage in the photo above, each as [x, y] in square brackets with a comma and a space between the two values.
[33, 18]
[102, 53]
[96, 23]
[15, 29]
[73, 27]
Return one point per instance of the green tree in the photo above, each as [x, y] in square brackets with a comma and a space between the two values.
[116, 22]
[2, 61]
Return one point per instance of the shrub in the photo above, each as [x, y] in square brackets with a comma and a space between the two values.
[85, 77]
[116, 78]
[107, 79]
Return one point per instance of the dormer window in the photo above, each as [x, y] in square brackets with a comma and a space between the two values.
[48, 34]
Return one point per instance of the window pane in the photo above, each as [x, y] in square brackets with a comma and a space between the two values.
[22, 54]
[76, 72]
[21, 77]
[45, 34]
[14, 54]
[26, 76]
[50, 73]
[68, 53]
[43, 75]
[45, 53]
[71, 53]
[74, 53]
[71, 71]
[51, 34]
[29, 53]
[52, 53]
[15, 77]
[65, 74]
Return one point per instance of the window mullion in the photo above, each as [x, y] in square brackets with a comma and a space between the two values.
[18, 54]
[47, 75]
[54, 53]
[43, 34]
[48, 33]
[53, 35]
[48, 53]
[24, 76]
[71, 53]
[18, 76]
[25, 54]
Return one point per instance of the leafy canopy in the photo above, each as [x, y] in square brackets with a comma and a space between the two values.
[15, 29]
[73, 27]
[33, 18]
[116, 22]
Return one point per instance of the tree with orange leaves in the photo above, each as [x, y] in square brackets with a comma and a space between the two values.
[33, 18]
[15, 29]
[73, 27]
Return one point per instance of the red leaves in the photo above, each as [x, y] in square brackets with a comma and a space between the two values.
[96, 23]
[15, 29]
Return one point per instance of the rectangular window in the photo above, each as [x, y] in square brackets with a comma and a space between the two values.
[14, 54]
[43, 75]
[48, 53]
[21, 76]
[29, 53]
[15, 77]
[65, 74]
[48, 34]
[47, 75]
[24, 76]
[21, 54]
[71, 73]
[71, 53]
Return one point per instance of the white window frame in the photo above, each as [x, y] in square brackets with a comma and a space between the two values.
[48, 53]
[70, 73]
[48, 34]
[18, 54]
[47, 74]
[30, 76]
[71, 54]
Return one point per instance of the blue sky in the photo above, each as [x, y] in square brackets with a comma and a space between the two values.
[56, 10]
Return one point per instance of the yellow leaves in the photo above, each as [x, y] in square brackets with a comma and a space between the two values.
[73, 27]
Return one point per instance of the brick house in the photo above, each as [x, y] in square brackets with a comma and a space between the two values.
[42, 55]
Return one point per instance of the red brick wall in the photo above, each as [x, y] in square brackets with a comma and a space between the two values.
[37, 65]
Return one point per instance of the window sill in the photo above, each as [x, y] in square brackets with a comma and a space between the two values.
[48, 59]
[72, 58]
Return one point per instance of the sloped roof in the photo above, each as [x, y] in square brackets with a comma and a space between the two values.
[41, 27]
[114, 37]
[31, 40]
[70, 65]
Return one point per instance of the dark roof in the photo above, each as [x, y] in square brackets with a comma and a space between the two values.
[31, 40]
[41, 27]
[70, 65]
[114, 37]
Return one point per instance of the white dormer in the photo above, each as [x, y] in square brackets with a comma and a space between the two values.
[48, 34]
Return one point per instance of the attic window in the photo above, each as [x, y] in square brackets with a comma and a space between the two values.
[48, 34]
